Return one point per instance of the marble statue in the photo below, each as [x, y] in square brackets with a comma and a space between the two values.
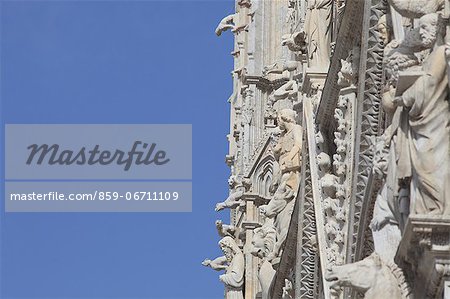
[388, 217]
[288, 153]
[225, 229]
[234, 265]
[262, 246]
[238, 188]
[228, 23]
[371, 276]
[423, 137]
[234, 275]
[318, 33]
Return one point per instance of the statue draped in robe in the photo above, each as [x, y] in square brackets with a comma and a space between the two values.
[423, 139]
[318, 33]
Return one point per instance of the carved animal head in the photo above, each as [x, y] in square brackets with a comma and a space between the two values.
[361, 275]
[263, 241]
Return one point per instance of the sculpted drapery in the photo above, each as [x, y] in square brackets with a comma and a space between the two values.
[423, 137]
[318, 32]
[234, 275]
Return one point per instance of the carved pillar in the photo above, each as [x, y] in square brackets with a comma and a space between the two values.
[251, 262]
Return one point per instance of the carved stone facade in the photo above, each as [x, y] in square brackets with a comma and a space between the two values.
[339, 150]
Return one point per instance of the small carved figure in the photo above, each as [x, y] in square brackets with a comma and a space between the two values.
[238, 188]
[280, 66]
[345, 75]
[229, 23]
[225, 229]
[296, 42]
[288, 290]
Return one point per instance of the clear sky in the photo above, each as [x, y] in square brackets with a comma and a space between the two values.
[118, 62]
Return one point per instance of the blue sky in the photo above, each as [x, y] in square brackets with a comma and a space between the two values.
[118, 62]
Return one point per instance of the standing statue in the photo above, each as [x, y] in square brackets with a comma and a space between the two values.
[423, 138]
[288, 154]
[318, 33]
[262, 245]
[234, 265]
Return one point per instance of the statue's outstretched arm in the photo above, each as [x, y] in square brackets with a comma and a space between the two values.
[217, 264]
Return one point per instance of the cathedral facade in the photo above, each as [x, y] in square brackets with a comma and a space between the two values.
[339, 150]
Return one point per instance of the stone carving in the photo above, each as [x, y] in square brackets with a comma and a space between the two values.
[234, 265]
[424, 162]
[245, 3]
[262, 246]
[225, 229]
[280, 66]
[416, 8]
[318, 32]
[296, 42]
[334, 212]
[234, 275]
[376, 184]
[229, 23]
[367, 126]
[288, 290]
[386, 214]
[371, 276]
[347, 76]
[287, 152]
[287, 90]
[238, 188]
[307, 253]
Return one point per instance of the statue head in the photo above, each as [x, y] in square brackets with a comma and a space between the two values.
[285, 116]
[324, 162]
[229, 247]
[429, 27]
[263, 241]
[234, 181]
